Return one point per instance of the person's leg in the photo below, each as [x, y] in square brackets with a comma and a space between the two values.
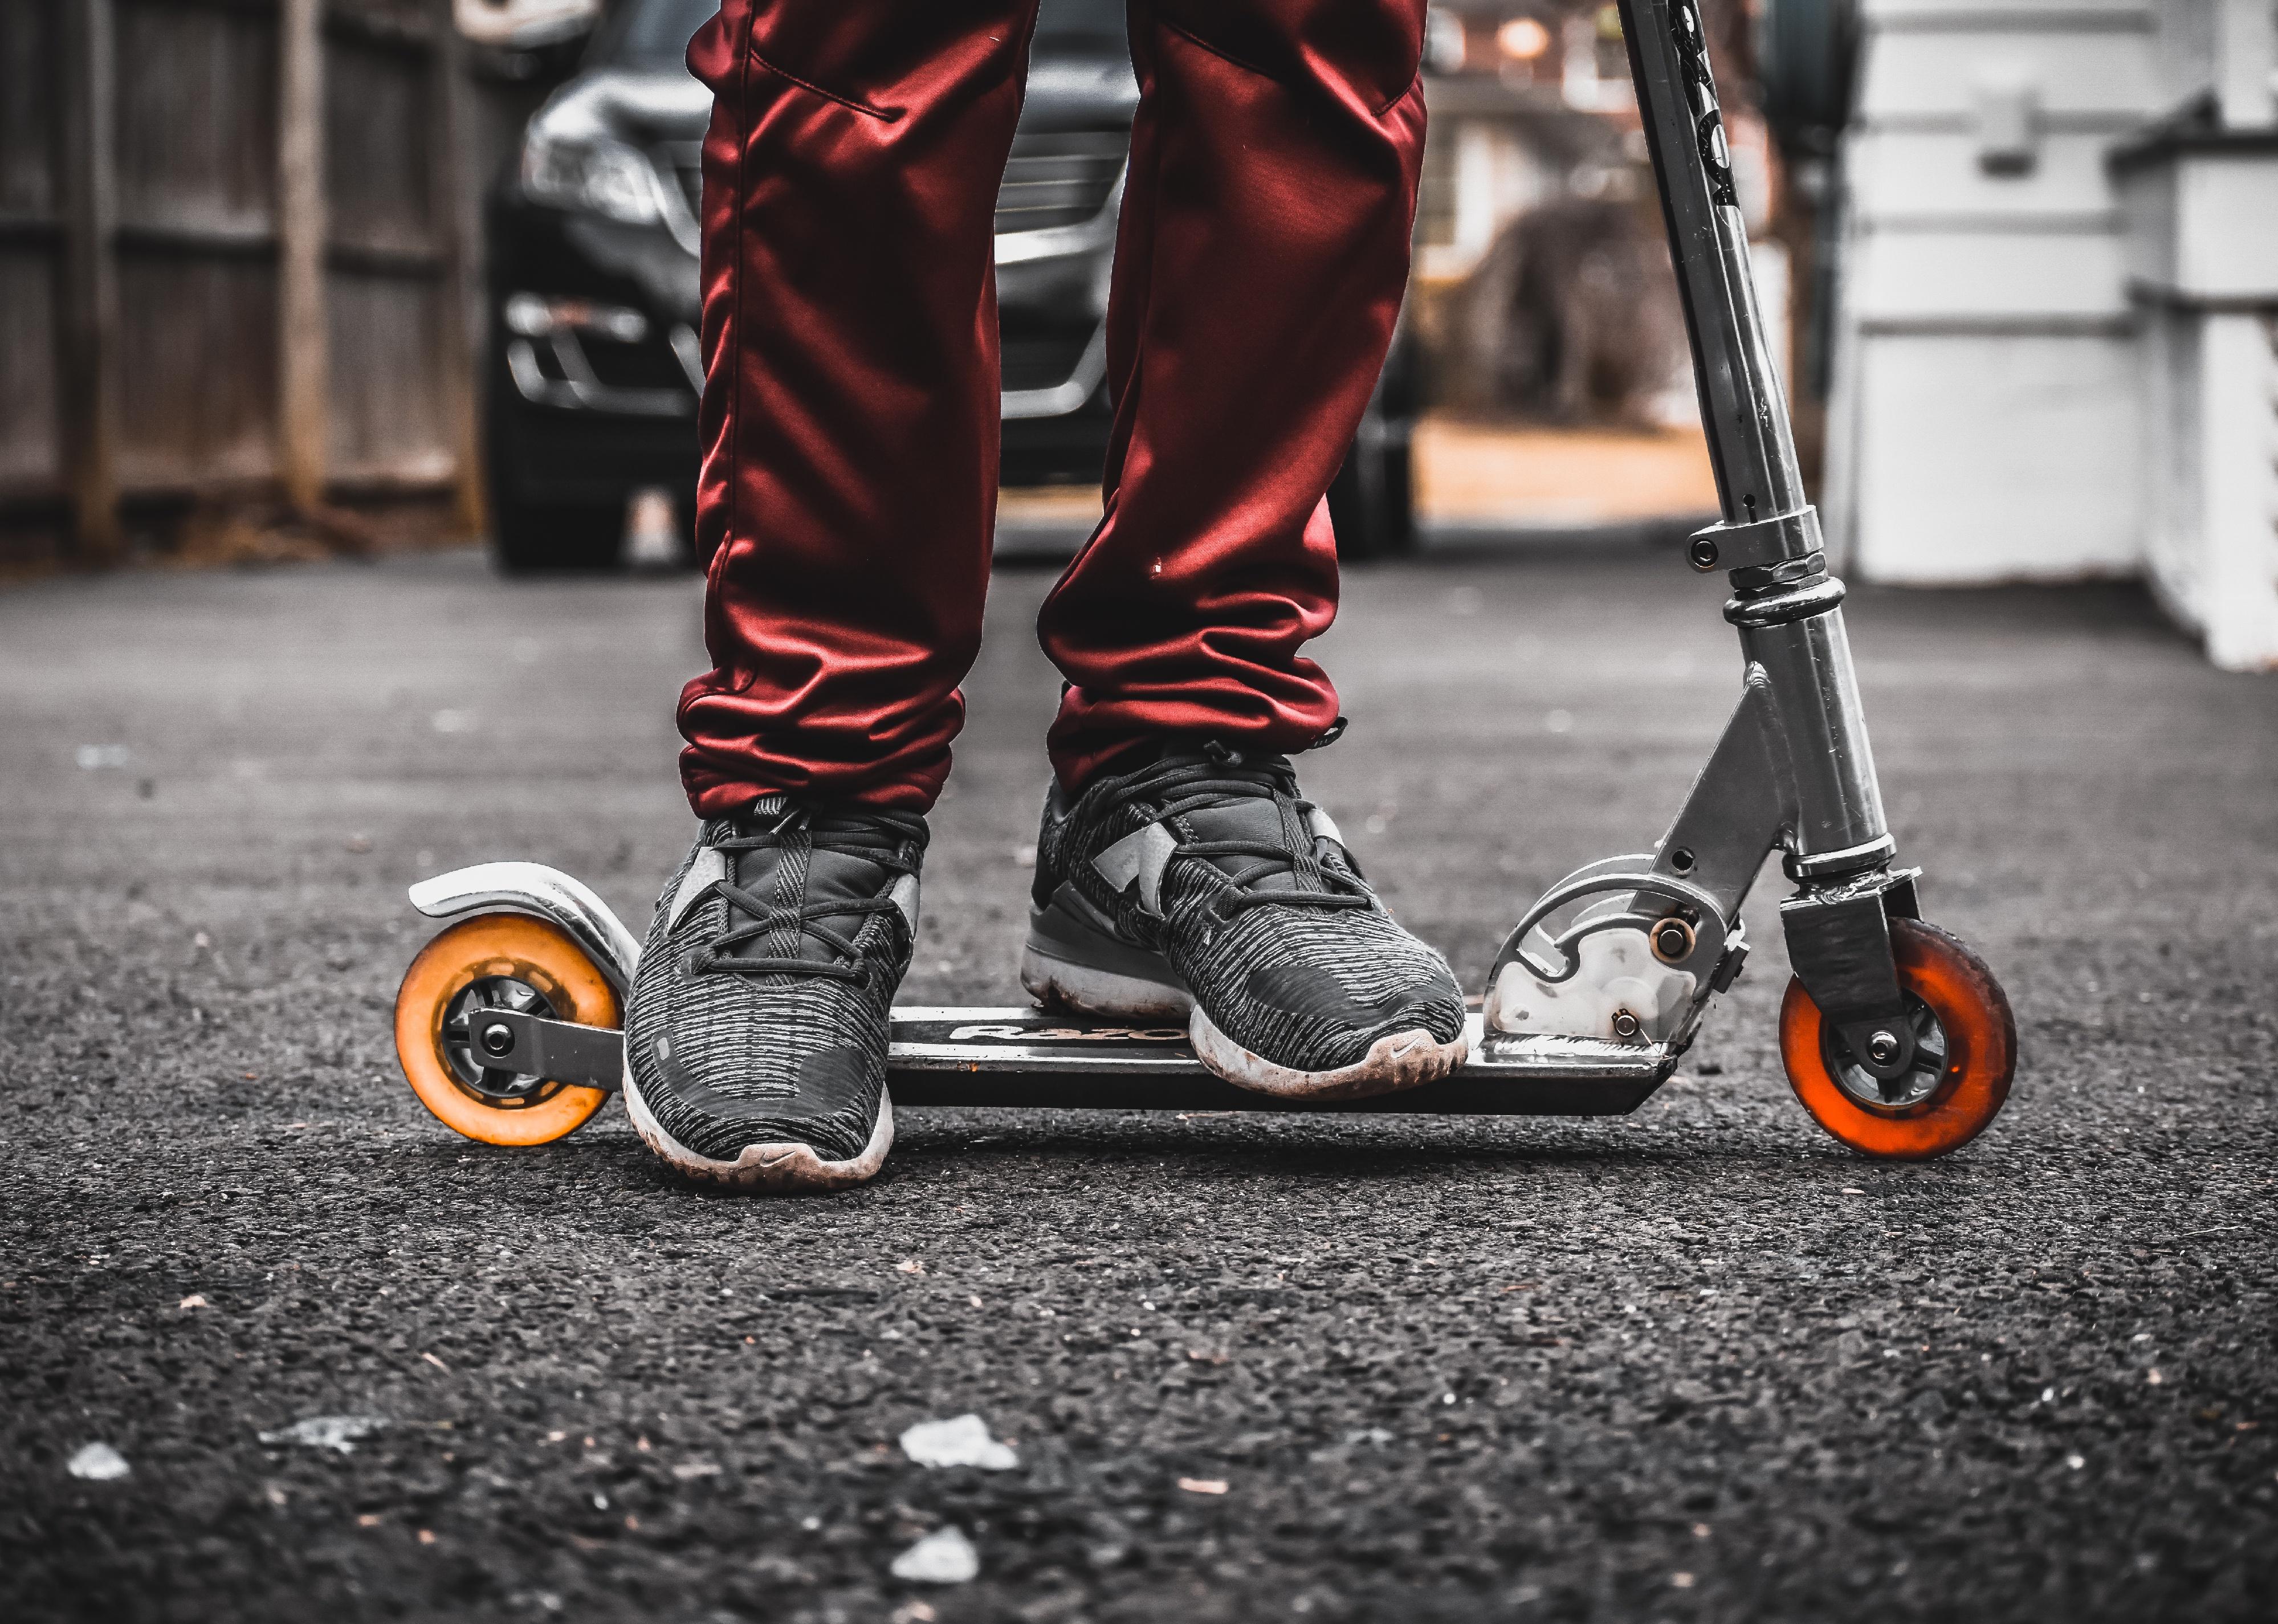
[850, 418]
[1259, 271]
[850, 428]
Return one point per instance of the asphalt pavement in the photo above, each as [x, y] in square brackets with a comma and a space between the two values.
[1699, 1362]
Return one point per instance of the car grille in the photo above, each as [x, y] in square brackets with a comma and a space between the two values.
[1054, 178]
[1058, 178]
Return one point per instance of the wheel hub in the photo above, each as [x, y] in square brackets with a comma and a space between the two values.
[1911, 1088]
[467, 1039]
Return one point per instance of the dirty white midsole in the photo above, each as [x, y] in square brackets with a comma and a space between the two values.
[1396, 1061]
[781, 1166]
[1400, 1060]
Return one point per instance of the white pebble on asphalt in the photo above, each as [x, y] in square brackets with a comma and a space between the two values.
[962, 1440]
[942, 1557]
[339, 1433]
[97, 1463]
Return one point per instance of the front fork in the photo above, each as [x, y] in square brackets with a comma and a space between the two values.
[1793, 771]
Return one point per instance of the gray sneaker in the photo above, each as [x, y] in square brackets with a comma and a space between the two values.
[1204, 888]
[755, 1042]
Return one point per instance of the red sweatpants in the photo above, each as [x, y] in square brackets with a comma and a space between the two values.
[851, 421]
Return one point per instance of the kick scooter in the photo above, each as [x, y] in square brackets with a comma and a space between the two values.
[1896, 1037]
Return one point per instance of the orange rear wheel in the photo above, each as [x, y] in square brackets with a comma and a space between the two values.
[497, 961]
[1966, 1049]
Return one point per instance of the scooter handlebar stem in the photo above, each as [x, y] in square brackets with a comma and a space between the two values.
[1743, 406]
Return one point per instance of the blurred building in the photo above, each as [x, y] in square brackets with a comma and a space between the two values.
[2057, 347]
[1541, 272]
[1530, 103]
[1518, 98]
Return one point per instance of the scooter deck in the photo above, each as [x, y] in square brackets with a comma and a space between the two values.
[1032, 1057]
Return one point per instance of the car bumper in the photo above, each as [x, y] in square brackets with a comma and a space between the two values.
[578, 415]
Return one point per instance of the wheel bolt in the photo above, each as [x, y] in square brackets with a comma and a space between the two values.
[498, 1039]
[1672, 939]
[1882, 1048]
[1626, 1024]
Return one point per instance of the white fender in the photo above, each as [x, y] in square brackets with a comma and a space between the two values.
[545, 893]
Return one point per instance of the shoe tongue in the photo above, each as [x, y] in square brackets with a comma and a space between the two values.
[795, 874]
[1254, 818]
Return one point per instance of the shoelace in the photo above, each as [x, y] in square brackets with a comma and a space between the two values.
[1227, 774]
[845, 837]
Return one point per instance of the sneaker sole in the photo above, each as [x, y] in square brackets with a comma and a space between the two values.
[1137, 985]
[1396, 1061]
[1071, 964]
[786, 1168]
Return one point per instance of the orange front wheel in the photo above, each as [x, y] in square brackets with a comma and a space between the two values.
[1965, 1052]
[492, 962]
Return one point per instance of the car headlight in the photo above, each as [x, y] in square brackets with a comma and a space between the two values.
[593, 172]
[535, 316]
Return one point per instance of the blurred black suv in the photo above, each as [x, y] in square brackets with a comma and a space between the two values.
[595, 367]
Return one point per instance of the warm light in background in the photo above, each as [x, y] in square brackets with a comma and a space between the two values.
[1523, 39]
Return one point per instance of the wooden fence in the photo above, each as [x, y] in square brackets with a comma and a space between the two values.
[237, 242]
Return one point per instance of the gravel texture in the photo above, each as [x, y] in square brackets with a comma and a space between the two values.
[1698, 1362]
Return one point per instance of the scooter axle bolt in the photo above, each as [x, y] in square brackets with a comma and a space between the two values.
[1673, 940]
[1703, 554]
[498, 1039]
[1882, 1048]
